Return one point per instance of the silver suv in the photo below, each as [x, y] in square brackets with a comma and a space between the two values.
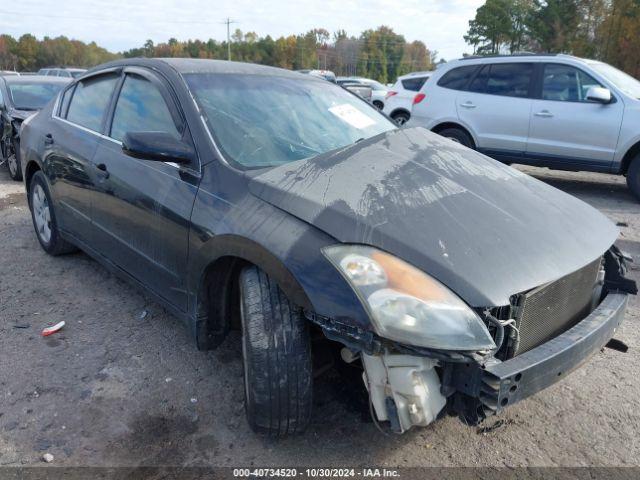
[556, 111]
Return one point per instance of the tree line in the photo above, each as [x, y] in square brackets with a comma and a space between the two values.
[378, 53]
[605, 30]
[28, 54]
[381, 54]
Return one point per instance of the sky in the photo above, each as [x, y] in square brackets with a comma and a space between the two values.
[120, 25]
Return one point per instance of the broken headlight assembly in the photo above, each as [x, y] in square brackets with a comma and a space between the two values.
[407, 305]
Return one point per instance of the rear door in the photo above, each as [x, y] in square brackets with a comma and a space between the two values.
[70, 143]
[497, 105]
[143, 207]
[567, 130]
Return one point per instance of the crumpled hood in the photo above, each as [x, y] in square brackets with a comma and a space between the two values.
[485, 230]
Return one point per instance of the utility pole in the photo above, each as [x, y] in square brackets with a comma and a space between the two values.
[228, 22]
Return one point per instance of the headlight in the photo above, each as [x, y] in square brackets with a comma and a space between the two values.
[406, 304]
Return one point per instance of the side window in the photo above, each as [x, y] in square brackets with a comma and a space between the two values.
[90, 101]
[458, 78]
[564, 83]
[414, 84]
[141, 108]
[479, 84]
[64, 103]
[510, 79]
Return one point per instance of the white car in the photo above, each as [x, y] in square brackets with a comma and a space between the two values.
[555, 111]
[400, 96]
[378, 90]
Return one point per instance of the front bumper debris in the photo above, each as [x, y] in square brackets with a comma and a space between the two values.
[498, 384]
[403, 389]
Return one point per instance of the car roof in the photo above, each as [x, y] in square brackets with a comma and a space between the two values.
[34, 79]
[516, 57]
[202, 65]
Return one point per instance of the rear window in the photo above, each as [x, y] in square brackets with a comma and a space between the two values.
[414, 84]
[32, 95]
[458, 78]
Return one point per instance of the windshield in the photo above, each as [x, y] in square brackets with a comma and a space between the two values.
[264, 121]
[32, 96]
[621, 80]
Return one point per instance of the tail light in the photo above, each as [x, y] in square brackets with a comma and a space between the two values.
[390, 93]
[418, 98]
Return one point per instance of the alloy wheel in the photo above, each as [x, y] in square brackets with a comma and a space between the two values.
[41, 213]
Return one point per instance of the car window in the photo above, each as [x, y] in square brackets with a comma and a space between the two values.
[64, 104]
[565, 83]
[458, 78]
[32, 95]
[510, 79]
[90, 101]
[261, 121]
[414, 84]
[479, 83]
[141, 108]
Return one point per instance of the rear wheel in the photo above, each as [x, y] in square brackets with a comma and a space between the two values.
[276, 354]
[457, 135]
[44, 219]
[378, 104]
[400, 118]
[633, 177]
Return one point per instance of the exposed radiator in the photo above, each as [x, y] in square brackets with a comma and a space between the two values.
[551, 309]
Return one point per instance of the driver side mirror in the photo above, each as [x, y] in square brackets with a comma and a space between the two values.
[599, 94]
[159, 146]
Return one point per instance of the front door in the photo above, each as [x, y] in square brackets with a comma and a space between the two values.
[567, 130]
[143, 208]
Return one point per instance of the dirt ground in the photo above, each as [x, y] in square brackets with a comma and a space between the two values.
[117, 388]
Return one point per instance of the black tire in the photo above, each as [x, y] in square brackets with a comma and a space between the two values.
[378, 104]
[458, 135]
[633, 177]
[276, 352]
[55, 244]
[13, 162]
[401, 117]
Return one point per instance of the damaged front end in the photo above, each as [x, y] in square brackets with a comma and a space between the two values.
[541, 336]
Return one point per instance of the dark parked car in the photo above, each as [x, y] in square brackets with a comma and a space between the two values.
[250, 197]
[20, 97]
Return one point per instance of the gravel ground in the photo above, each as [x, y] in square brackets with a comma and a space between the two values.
[116, 389]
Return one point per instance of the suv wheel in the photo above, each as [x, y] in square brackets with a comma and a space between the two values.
[457, 135]
[401, 117]
[378, 104]
[44, 218]
[633, 177]
[276, 353]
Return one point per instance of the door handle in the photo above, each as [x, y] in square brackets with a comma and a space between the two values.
[467, 105]
[103, 170]
[48, 139]
[544, 113]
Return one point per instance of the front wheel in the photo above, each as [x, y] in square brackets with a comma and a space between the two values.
[44, 218]
[276, 351]
[633, 177]
[13, 161]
